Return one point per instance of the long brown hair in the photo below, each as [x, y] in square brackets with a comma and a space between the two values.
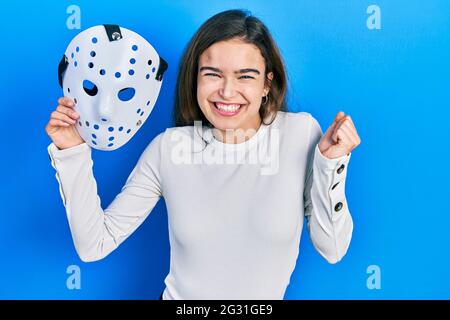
[221, 27]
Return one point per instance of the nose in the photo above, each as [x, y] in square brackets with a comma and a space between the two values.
[104, 108]
[228, 89]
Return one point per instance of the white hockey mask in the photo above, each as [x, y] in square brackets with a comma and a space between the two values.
[114, 77]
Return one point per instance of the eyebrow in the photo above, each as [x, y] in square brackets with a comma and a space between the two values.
[247, 70]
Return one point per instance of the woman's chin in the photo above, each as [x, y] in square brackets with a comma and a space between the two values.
[226, 124]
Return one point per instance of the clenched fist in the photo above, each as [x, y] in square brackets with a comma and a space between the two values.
[340, 138]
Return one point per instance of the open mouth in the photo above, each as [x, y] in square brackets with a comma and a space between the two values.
[227, 110]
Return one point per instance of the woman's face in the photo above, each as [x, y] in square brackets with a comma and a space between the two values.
[230, 85]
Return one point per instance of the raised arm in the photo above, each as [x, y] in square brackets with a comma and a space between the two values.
[329, 222]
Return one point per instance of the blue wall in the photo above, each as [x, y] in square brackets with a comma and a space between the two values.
[394, 82]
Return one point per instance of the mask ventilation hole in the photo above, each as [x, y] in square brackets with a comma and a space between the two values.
[90, 88]
[126, 94]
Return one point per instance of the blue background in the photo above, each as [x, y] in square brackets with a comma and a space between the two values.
[394, 82]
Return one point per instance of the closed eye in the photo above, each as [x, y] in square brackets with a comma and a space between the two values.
[241, 77]
[246, 77]
[212, 74]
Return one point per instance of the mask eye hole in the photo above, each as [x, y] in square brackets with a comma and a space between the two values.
[90, 88]
[126, 94]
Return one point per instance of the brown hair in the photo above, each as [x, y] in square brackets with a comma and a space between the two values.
[221, 27]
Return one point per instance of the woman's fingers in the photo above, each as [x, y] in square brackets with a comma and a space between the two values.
[67, 111]
[63, 117]
[352, 139]
[58, 123]
[66, 102]
[339, 116]
[347, 136]
[351, 122]
[344, 138]
[338, 124]
[346, 122]
[352, 131]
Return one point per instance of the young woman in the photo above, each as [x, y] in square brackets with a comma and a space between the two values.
[238, 173]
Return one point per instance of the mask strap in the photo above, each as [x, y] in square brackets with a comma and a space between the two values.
[161, 69]
[113, 32]
[62, 68]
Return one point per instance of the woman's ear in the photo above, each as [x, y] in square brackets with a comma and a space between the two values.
[268, 82]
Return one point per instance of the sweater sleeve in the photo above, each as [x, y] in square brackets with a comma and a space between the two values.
[329, 222]
[97, 232]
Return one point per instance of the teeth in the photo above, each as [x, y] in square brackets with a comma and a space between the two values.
[227, 107]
